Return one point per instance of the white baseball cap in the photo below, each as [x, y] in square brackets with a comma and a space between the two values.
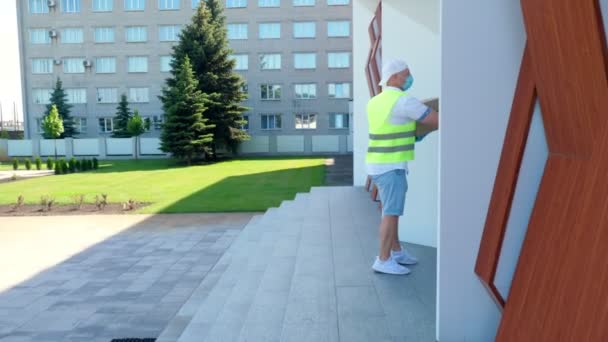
[390, 68]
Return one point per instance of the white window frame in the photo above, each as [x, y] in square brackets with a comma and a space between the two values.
[137, 64]
[106, 95]
[76, 62]
[142, 34]
[168, 5]
[338, 66]
[335, 29]
[103, 5]
[80, 124]
[303, 27]
[38, 6]
[274, 90]
[71, 6]
[44, 64]
[165, 63]
[276, 59]
[332, 90]
[134, 5]
[76, 95]
[104, 34]
[236, 31]
[301, 57]
[138, 94]
[305, 121]
[41, 96]
[169, 33]
[103, 128]
[303, 3]
[277, 118]
[332, 120]
[241, 59]
[36, 33]
[307, 91]
[105, 65]
[269, 3]
[267, 30]
[236, 3]
[75, 35]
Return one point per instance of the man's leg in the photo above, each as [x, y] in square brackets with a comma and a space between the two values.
[388, 229]
[396, 246]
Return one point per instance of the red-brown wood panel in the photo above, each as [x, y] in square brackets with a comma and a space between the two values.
[559, 290]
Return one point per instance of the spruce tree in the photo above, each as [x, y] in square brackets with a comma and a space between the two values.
[59, 99]
[186, 133]
[205, 42]
[121, 120]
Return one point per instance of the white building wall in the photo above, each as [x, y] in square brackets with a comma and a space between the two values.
[47, 147]
[20, 148]
[119, 146]
[86, 147]
[326, 143]
[257, 144]
[290, 143]
[150, 146]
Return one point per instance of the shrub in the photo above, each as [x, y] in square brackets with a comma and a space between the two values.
[50, 165]
[28, 164]
[57, 168]
[64, 166]
[90, 165]
[38, 163]
[15, 164]
[95, 163]
[72, 165]
[78, 165]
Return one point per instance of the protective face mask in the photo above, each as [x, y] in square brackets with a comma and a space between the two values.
[408, 83]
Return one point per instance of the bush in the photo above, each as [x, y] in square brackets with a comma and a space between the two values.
[78, 165]
[28, 164]
[64, 166]
[15, 164]
[38, 163]
[57, 168]
[91, 163]
[72, 165]
[50, 165]
[95, 163]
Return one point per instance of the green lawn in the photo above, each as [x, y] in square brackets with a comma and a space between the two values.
[236, 185]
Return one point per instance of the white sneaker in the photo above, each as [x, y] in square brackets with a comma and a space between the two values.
[403, 257]
[390, 266]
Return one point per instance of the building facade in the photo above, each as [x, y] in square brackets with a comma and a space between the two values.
[295, 56]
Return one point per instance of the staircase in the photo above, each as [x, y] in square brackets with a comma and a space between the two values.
[301, 272]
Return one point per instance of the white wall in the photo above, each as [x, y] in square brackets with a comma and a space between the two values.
[326, 143]
[257, 144]
[18, 148]
[47, 147]
[119, 146]
[149, 146]
[290, 143]
[86, 147]
[482, 47]
[411, 32]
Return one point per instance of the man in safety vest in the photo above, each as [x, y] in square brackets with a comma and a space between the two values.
[393, 117]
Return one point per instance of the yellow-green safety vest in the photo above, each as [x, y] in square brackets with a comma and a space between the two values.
[388, 143]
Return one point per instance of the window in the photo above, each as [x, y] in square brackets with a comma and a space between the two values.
[241, 61]
[236, 3]
[42, 66]
[41, 96]
[245, 126]
[337, 2]
[40, 36]
[306, 121]
[306, 91]
[137, 64]
[104, 35]
[78, 95]
[157, 122]
[195, 3]
[269, 30]
[270, 91]
[169, 33]
[70, 6]
[72, 36]
[338, 90]
[303, 2]
[338, 120]
[305, 29]
[39, 6]
[165, 63]
[73, 65]
[237, 31]
[270, 62]
[168, 5]
[80, 124]
[107, 95]
[139, 95]
[103, 5]
[105, 65]
[338, 59]
[305, 60]
[245, 88]
[106, 125]
[338, 28]
[271, 121]
[135, 5]
[269, 3]
[136, 34]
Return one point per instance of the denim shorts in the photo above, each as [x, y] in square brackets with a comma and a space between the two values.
[392, 187]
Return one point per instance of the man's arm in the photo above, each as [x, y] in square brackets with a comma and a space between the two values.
[427, 125]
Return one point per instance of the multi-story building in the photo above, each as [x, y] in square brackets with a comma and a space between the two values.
[295, 56]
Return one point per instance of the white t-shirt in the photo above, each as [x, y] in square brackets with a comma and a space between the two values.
[405, 110]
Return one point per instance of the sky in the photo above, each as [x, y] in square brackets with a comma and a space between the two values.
[10, 79]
